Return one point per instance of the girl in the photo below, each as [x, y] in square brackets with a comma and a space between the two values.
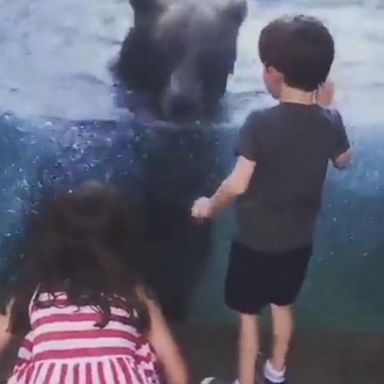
[86, 315]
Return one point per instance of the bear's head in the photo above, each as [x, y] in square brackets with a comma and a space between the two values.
[178, 54]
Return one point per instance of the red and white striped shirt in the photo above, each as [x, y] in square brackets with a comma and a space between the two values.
[65, 347]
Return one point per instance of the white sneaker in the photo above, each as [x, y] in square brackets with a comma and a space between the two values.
[208, 380]
[215, 380]
[273, 376]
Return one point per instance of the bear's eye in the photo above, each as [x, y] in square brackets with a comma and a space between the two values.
[211, 60]
[174, 49]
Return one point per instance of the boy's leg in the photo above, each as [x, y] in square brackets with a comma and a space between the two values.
[283, 325]
[248, 348]
[246, 292]
[288, 278]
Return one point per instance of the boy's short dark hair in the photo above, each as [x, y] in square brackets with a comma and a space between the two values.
[301, 48]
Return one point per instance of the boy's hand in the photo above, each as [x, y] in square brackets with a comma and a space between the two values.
[202, 208]
[325, 94]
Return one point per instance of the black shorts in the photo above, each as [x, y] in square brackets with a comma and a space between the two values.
[256, 279]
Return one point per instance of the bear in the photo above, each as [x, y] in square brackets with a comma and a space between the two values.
[178, 55]
[176, 58]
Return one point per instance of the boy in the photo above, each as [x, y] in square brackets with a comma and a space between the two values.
[283, 153]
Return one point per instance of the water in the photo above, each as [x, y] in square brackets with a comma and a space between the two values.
[59, 125]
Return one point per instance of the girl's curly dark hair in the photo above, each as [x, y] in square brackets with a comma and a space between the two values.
[88, 244]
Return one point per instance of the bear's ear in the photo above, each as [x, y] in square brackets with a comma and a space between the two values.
[236, 11]
[147, 8]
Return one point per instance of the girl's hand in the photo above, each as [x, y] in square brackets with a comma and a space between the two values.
[164, 344]
[202, 208]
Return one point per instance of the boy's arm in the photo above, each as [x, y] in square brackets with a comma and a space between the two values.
[233, 186]
[248, 155]
[165, 345]
[325, 96]
[341, 155]
[342, 161]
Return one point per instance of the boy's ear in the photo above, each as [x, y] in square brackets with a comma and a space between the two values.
[275, 73]
[274, 80]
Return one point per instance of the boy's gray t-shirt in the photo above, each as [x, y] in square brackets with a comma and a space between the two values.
[291, 145]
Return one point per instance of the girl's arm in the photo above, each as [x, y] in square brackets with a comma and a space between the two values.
[165, 345]
[5, 335]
